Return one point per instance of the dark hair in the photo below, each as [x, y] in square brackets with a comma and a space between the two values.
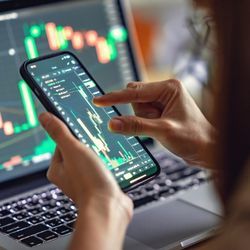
[232, 20]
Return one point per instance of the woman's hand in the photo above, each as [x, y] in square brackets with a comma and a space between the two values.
[166, 112]
[104, 210]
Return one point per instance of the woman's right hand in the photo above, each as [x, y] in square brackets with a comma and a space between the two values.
[164, 111]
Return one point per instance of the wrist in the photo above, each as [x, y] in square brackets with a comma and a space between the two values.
[204, 144]
[206, 147]
[105, 219]
[107, 207]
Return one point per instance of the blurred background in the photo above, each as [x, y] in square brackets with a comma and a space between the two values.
[175, 41]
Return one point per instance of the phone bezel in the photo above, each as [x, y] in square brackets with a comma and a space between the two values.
[50, 107]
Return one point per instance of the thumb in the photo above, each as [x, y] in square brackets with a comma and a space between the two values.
[57, 130]
[133, 125]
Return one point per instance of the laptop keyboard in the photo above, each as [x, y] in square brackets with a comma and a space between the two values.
[175, 176]
[47, 215]
[39, 218]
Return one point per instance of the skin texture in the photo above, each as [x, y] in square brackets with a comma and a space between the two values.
[165, 111]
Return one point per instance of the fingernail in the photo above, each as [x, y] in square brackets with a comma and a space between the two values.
[96, 99]
[116, 125]
[44, 118]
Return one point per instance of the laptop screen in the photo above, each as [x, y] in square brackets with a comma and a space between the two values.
[94, 30]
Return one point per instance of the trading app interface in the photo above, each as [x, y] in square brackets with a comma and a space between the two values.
[71, 90]
[93, 30]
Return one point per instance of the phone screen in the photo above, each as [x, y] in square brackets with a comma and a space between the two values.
[70, 89]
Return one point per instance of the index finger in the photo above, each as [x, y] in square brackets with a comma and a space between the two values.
[136, 92]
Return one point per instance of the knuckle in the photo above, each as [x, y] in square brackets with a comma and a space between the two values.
[137, 91]
[135, 85]
[166, 125]
[174, 84]
[167, 128]
[136, 126]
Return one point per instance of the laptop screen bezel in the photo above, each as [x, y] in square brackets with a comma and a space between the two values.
[37, 179]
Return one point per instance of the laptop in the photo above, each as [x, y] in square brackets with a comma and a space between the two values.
[174, 211]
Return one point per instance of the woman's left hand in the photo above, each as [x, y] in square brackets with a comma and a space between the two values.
[104, 210]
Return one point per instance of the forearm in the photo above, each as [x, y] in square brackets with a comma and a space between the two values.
[100, 226]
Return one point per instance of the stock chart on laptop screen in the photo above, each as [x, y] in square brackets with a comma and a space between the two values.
[93, 30]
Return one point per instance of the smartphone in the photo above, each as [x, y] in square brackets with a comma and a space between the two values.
[66, 89]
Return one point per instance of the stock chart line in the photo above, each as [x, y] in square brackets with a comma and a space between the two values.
[60, 37]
